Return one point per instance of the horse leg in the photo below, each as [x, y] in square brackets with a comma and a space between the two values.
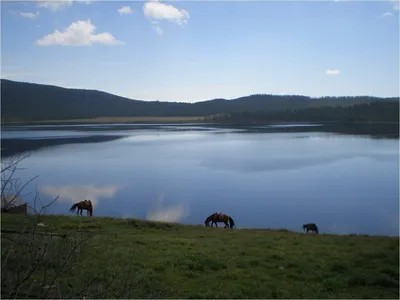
[81, 211]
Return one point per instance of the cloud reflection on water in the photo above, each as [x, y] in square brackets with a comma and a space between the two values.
[172, 213]
[75, 193]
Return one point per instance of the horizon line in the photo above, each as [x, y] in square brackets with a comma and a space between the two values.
[213, 99]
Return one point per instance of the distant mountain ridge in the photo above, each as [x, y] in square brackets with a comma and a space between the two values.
[37, 102]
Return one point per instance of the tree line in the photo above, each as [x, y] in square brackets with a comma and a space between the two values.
[37, 102]
[378, 111]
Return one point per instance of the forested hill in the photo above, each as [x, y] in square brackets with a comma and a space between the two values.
[29, 102]
[375, 112]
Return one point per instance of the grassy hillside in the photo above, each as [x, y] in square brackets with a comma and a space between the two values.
[127, 258]
[35, 102]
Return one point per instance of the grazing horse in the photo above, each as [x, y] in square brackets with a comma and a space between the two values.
[219, 217]
[83, 205]
[310, 227]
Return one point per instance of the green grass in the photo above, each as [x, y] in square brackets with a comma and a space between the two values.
[179, 261]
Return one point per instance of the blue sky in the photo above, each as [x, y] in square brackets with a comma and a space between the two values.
[198, 50]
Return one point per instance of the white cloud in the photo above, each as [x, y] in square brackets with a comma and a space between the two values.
[159, 11]
[156, 12]
[30, 15]
[125, 10]
[56, 5]
[386, 15]
[79, 33]
[157, 28]
[332, 72]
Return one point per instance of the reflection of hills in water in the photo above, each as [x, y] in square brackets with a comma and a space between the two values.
[14, 146]
[19, 139]
[338, 127]
[114, 127]
[372, 130]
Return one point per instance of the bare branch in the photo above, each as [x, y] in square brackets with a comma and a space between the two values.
[37, 265]
[13, 163]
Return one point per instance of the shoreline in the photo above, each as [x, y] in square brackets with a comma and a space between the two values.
[201, 226]
[178, 121]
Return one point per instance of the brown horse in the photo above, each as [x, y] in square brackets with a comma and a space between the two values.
[83, 205]
[310, 227]
[219, 217]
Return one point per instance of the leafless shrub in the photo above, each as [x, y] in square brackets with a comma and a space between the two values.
[39, 263]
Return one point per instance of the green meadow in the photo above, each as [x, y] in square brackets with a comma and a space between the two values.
[83, 257]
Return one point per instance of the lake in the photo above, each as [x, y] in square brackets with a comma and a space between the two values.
[182, 173]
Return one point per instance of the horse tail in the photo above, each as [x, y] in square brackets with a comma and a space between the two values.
[91, 209]
[73, 207]
[231, 222]
[316, 229]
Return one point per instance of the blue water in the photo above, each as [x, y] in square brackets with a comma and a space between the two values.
[344, 184]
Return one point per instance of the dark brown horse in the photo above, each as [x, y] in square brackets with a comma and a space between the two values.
[219, 217]
[83, 205]
[310, 227]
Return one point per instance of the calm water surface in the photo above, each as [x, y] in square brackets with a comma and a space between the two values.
[344, 183]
